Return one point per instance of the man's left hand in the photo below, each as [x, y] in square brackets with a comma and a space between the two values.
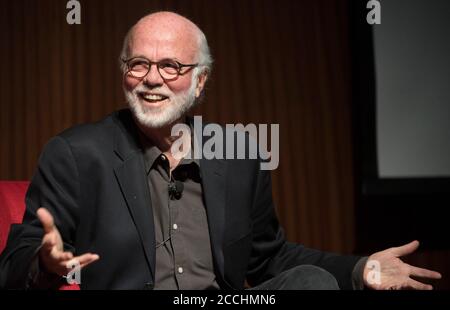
[386, 271]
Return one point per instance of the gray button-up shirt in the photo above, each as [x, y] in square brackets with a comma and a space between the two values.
[183, 248]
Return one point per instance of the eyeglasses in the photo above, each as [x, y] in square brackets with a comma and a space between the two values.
[169, 69]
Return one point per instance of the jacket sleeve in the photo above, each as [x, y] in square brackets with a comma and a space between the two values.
[272, 254]
[55, 187]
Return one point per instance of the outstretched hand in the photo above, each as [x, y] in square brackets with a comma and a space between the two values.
[386, 271]
[52, 256]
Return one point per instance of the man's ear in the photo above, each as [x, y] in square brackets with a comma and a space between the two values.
[201, 79]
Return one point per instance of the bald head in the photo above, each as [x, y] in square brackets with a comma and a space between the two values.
[167, 28]
[166, 19]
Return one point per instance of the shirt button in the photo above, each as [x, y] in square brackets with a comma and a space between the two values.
[175, 226]
[163, 157]
[180, 270]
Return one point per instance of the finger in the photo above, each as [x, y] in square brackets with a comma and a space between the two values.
[424, 273]
[405, 249]
[83, 260]
[54, 261]
[64, 267]
[92, 260]
[49, 248]
[418, 285]
[46, 219]
[87, 258]
[48, 242]
[61, 256]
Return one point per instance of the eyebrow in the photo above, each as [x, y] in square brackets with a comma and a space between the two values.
[165, 58]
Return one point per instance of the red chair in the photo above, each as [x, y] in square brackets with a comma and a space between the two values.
[12, 209]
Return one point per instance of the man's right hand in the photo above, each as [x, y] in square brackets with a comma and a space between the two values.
[52, 256]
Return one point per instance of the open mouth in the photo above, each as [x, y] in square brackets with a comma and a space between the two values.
[152, 98]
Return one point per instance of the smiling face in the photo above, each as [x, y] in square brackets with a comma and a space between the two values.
[154, 101]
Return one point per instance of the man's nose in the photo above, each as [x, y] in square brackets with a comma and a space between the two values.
[153, 78]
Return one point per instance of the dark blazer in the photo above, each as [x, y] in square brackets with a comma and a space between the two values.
[92, 179]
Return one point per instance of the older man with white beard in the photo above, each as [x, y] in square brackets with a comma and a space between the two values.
[155, 221]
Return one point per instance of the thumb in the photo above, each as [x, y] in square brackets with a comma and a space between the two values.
[46, 220]
[405, 249]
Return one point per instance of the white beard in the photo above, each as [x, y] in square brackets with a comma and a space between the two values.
[158, 117]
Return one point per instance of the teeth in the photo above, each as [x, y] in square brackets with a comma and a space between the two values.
[154, 97]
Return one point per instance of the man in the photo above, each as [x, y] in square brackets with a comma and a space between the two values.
[113, 197]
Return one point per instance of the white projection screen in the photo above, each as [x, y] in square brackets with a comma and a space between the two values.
[412, 66]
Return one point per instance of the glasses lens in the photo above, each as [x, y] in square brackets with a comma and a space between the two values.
[138, 67]
[168, 68]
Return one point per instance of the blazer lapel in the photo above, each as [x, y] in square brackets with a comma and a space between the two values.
[214, 177]
[130, 174]
[214, 173]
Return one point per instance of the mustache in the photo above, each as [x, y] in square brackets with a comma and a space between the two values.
[144, 89]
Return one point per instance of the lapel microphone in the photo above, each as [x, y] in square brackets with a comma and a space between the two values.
[175, 189]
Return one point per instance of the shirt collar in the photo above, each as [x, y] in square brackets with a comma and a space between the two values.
[152, 152]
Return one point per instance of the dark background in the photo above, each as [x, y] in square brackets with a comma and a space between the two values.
[297, 63]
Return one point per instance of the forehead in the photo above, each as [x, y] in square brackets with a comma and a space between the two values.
[162, 41]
